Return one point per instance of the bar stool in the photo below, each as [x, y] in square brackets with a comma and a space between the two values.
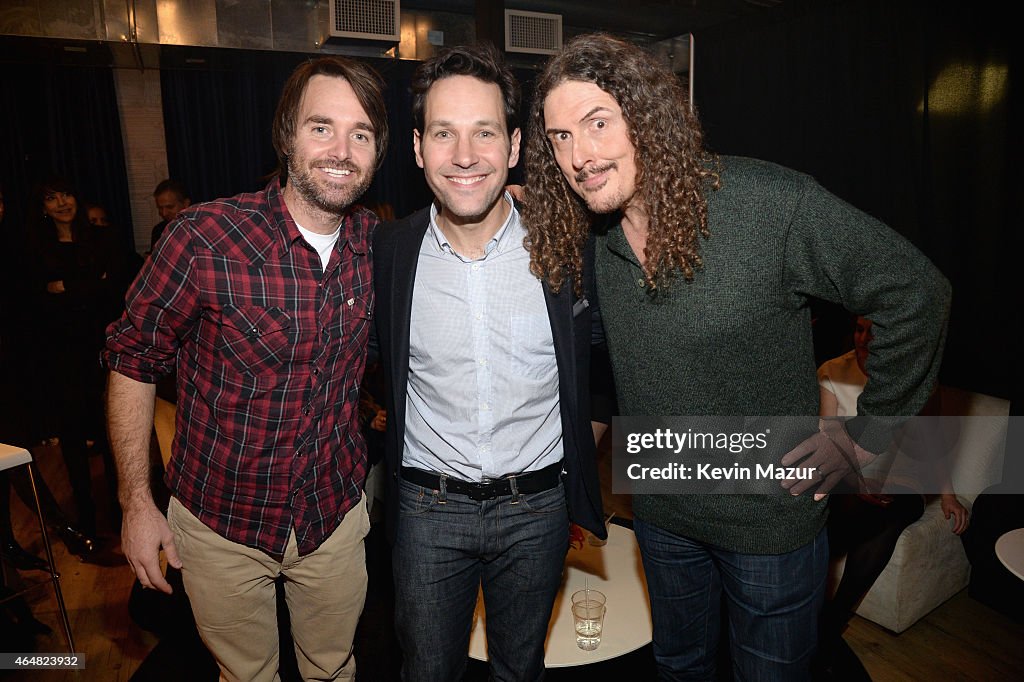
[10, 457]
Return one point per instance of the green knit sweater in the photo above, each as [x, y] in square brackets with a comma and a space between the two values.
[736, 340]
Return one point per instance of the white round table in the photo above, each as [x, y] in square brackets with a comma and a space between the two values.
[1010, 550]
[616, 570]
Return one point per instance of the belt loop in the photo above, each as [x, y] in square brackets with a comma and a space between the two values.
[515, 489]
[442, 497]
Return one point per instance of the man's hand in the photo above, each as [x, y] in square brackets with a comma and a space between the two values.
[517, 191]
[833, 455]
[951, 508]
[143, 532]
[144, 529]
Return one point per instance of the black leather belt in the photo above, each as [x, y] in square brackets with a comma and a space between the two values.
[530, 482]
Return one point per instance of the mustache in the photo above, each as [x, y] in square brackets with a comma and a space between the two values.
[588, 172]
[336, 165]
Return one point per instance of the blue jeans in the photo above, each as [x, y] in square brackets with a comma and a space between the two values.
[445, 548]
[772, 603]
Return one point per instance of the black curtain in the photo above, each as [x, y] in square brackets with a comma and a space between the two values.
[904, 109]
[218, 107]
[218, 112]
[59, 116]
[399, 181]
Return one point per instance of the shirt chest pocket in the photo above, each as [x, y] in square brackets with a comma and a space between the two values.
[532, 345]
[356, 313]
[254, 339]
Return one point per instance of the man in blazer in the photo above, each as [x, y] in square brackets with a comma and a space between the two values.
[489, 444]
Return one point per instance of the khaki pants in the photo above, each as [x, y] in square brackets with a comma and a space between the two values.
[233, 597]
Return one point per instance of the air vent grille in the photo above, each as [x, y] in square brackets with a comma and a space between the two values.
[370, 19]
[532, 32]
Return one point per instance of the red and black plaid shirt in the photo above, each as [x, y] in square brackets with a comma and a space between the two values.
[270, 352]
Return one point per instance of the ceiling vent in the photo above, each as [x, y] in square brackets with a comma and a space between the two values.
[532, 32]
[369, 20]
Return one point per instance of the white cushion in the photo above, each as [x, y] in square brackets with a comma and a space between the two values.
[12, 456]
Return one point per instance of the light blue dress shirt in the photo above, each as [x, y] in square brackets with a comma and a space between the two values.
[483, 379]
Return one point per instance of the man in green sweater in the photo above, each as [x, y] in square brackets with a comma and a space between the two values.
[704, 279]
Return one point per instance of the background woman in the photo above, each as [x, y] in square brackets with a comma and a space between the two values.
[70, 279]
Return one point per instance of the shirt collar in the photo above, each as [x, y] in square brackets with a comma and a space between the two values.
[497, 244]
[617, 243]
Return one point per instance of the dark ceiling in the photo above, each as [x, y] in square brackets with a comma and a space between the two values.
[642, 19]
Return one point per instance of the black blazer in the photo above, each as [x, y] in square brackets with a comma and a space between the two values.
[575, 323]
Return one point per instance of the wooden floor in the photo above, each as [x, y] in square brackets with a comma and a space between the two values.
[96, 595]
[961, 640]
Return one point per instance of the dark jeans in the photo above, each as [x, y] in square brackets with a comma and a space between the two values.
[445, 548]
[772, 604]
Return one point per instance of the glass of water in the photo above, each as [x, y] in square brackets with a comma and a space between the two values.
[588, 609]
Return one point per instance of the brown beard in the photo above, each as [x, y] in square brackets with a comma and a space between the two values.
[302, 181]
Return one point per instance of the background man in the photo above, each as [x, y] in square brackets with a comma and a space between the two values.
[717, 326]
[263, 301]
[171, 198]
[487, 371]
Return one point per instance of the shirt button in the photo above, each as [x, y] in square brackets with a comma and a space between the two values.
[483, 406]
[316, 372]
[305, 411]
[641, 282]
[476, 266]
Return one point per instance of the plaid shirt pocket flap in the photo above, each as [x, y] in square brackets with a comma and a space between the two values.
[254, 338]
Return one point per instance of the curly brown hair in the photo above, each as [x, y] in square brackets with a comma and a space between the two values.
[673, 170]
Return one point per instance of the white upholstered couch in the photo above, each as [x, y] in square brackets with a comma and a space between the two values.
[928, 565]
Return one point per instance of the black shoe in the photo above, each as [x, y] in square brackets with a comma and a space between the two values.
[77, 542]
[16, 556]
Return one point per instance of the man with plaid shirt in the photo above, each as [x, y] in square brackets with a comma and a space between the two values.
[262, 301]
